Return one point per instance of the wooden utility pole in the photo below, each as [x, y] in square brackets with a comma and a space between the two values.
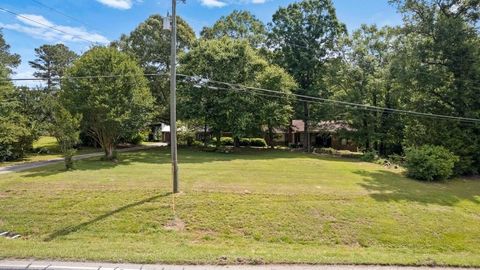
[173, 98]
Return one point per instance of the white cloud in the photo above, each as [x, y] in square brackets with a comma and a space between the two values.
[213, 3]
[32, 19]
[119, 4]
[222, 3]
[39, 27]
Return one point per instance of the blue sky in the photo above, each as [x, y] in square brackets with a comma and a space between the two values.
[105, 20]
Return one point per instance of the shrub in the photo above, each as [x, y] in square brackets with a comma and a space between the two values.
[369, 156]
[258, 142]
[185, 136]
[244, 142]
[430, 163]
[197, 143]
[226, 141]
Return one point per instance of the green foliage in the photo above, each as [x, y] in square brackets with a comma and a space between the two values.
[440, 70]
[238, 25]
[51, 62]
[369, 156]
[65, 127]
[111, 107]
[224, 141]
[275, 112]
[430, 163]
[258, 142]
[185, 136]
[225, 60]
[150, 45]
[68, 156]
[15, 134]
[305, 36]
[245, 142]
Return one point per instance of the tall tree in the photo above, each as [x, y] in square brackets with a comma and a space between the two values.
[14, 132]
[51, 63]
[367, 76]
[150, 45]
[225, 60]
[442, 73]
[304, 36]
[8, 60]
[110, 108]
[239, 24]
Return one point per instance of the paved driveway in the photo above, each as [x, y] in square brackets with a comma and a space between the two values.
[32, 165]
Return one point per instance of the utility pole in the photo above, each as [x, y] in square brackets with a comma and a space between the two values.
[173, 98]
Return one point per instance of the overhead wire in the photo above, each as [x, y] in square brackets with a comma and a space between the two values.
[48, 26]
[343, 103]
[61, 13]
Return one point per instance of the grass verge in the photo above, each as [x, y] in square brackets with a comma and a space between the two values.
[254, 206]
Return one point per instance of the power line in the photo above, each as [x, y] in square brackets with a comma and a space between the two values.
[342, 103]
[272, 93]
[46, 25]
[60, 12]
[86, 77]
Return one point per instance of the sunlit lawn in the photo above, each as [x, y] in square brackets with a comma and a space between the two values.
[255, 206]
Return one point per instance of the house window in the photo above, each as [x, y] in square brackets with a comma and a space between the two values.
[344, 142]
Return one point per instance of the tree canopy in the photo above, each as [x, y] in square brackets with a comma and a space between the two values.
[51, 62]
[239, 24]
[110, 107]
[150, 45]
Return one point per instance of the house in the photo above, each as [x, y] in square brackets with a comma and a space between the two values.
[325, 134]
[160, 132]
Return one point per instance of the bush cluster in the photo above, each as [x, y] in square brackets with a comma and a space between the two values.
[430, 163]
[369, 156]
[256, 142]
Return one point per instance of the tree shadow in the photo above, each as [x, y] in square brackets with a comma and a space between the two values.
[72, 229]
[186, 155]
[386, 186]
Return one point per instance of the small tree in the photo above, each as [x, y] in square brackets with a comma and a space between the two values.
[111, 107]
[275, 112]
[65, 127]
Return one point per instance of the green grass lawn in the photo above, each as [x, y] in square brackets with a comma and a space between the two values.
[50, 144]
[255, 206]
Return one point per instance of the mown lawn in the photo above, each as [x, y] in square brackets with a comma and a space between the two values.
[255, 206]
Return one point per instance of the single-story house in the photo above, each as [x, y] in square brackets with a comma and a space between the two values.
[323, 134]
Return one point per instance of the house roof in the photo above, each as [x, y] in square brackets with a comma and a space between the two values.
[322, 126]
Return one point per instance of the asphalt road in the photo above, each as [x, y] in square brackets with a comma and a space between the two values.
[58, 265]
[32, 165]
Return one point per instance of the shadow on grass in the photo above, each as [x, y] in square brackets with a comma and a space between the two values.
[186, 155]
[387, 186]
[71, 229]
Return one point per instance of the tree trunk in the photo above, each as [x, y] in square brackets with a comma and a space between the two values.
[306, 137]
[236, 141]
[218, 136]
[109, 152]
[270, 136]
[205, 144]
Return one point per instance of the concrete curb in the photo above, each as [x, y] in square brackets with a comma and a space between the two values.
[60, 265]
